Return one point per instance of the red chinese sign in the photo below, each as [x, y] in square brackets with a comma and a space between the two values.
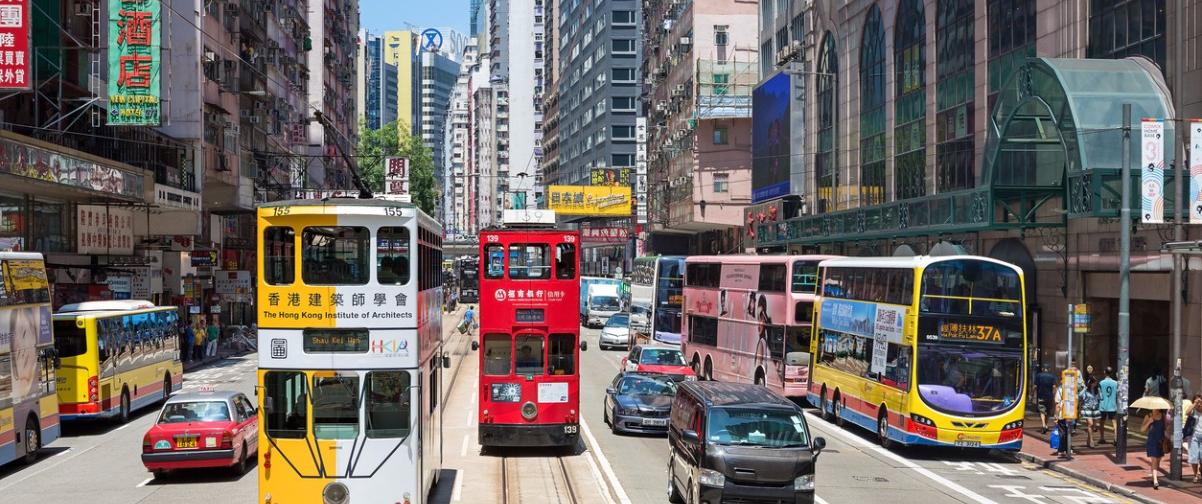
[14, 44]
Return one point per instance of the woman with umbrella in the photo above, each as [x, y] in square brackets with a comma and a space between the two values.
[1154, 427]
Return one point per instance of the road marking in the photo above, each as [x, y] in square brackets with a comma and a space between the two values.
[598, 479]
[47, 468]
[604, 463]
[144, 482]
[820, 500]
[123, 426]
[457, 492]
[949, 484]
[463, 448]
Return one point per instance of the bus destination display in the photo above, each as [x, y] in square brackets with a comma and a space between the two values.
[978, 333]
[336, 341]
[529, 315]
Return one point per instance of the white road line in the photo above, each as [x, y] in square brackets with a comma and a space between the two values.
[468, 415]
[949, 484]
[124, 425]
[47, 468]
[820, 500]
[463, 447]
[604, 463]
[457, 492]
[598, 479]
[144, 482]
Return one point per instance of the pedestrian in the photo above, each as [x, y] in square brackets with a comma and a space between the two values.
[1108, 393]
[1153, 384]
[1154, 427]
[198, 346]
[1045, 385]
[212, 332]
[189, 340]
[469, 318]
[1193, 434]
[1064, 403]
[1090, 409]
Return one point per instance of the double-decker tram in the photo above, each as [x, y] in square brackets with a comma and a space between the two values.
[468, 269]
[530, 336]
[350, 367]
[922, 350]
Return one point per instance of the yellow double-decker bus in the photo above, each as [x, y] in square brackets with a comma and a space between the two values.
[350, 352]
[922, 350]
[28, 408]
[115, 357]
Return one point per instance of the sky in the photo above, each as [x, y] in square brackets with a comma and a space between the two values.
[377, 16]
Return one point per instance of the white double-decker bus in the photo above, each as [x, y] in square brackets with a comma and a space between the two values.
[350, 345]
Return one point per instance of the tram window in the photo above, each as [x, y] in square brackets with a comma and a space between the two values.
[392, 255]
[335, 255]
[563, 354]
[279, 261]
[497, 354]
[285, 404]
[529, 359]
[496, 261]
[565, 261]
[388, 403]
[336, 407]
[529, 261]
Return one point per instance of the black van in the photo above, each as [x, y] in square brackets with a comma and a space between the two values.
[731, 442]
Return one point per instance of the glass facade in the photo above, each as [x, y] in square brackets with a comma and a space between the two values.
[826, 159]
[954, 125]
[910, 111]
[34, 224]
[1122, 28]
[1011, 40]
[872, 110]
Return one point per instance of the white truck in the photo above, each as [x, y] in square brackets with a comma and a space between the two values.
[603, 301]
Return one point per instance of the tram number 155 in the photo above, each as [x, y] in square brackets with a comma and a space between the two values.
[569, 429]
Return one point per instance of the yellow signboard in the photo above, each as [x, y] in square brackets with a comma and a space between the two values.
[969, 332]
[589, 200]
[24, 275]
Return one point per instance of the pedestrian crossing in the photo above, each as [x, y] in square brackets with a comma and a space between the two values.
[224, 375]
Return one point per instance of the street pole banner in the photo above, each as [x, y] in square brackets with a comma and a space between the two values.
[14, 45]
[1151, 169]
[134, 62]
[1195, 172]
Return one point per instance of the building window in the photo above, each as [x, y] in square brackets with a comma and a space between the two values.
[872, 110]
[621, 160]
[721, 135]
[1011, 40]
[954, 64]
[721, 84]
[910, 112]
[624, 104]
[782, 38]
[721, 37]
[623, 46]
[767, 59]
[797, 27]
[826, 159]
[622, 132]
[1122, 28]
[623, 75]
[623, 17]
[721, 182]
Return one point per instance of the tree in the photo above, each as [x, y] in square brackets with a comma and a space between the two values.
[394, 140]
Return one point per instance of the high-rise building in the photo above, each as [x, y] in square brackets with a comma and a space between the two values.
[401, 49]
[438, 76]
[517, 73]
[460, 192]
[377, 90]
[332, 90]
[478, 22]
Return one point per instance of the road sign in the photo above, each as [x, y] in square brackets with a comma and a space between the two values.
[1081, 318]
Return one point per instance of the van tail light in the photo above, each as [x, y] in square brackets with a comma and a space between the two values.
[227, 440]
[93, 389]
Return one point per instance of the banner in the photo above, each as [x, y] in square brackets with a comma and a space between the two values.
[609, 176]
[589, 200]
[104, 230]
[14, 45]
[1151, 169]
[134, 62]
[1195, 172]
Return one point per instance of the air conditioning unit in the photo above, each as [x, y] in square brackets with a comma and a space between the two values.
[679, 89]
[83, 8]
[255, 119]
[684, 41]
[795, 46]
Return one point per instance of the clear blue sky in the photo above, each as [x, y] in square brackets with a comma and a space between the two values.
[378, 16]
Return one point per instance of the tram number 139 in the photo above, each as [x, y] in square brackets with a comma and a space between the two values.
[569, 429]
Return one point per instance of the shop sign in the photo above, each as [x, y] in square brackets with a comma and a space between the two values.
[49, 166]
[610, 234]
[609, 176]
[232, 282]
[396, 178]
[134, 62]
[140, 284]
[204, 258]
[167, 196]
[120, 286]
[589, 200]
[640, 169]
[14, 44]
[104, 230]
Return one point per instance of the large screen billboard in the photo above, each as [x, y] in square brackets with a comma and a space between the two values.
[771, 118]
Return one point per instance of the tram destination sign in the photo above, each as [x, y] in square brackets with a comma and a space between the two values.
[336, 341]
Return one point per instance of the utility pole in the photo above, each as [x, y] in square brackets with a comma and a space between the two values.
[1124, 322]
[1180, 180]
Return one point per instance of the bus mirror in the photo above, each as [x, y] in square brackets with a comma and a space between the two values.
[446, 361]
[583, 346]
[475, 345]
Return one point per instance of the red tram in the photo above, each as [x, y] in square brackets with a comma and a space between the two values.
[529, 337]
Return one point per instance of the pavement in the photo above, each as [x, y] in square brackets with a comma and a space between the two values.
[1097, 466]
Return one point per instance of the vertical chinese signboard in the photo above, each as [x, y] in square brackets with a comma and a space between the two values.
[14, 44]
[640, 169]
[396, 178]
[134, 62]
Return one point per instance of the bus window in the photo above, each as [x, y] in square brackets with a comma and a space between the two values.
[897, 367]
[797, 345]
[285, 404]
[496, 261]
[805, 277]
[529, 261]
[392, 255]
[565, 261]
[529, 360]
[388, 403]
[497, 354]
[336, 407]
[772, 278]
[334, 255]
[69, 339]
[6, 376]
[279, 261]
[563, 354]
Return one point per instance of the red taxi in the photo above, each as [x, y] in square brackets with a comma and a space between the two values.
[202, 429]
[666, 360]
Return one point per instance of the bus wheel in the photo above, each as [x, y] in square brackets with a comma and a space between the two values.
[822, 405]
[882, 429]
[838, 406]
[124, 406]
[696, 365]
[759, 378]
[709, 369]
[167, 387]
[33, 440]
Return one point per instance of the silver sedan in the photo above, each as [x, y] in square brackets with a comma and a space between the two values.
[616, 332]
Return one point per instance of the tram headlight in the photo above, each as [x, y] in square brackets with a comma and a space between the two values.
[529, 410]
[336, 493]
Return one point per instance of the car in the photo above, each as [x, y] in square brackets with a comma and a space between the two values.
[202, 429]
[639, 402]
[616, 332]
[658, 359]
[739, 442]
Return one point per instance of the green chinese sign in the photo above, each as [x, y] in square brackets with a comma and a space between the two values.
[134, 62]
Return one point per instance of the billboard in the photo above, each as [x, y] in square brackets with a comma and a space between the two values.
[609, 176]
[771, 113]
[14, 45]
[589, 200]
[1152, 172]
[134, 62]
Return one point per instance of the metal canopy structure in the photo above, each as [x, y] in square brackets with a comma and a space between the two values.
[1055, 131]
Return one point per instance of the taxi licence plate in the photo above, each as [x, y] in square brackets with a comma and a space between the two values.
[656, 422]
[185, 442]
[968, 444]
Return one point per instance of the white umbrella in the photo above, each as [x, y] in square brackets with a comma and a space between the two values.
[1152, 403]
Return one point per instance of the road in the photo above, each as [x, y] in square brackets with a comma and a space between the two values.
[852, 469]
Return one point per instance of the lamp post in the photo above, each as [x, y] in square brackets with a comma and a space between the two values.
[1124, 318]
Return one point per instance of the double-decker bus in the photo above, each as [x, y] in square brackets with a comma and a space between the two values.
[28, 406]
[922, 350]
[350, 339]
[747, 319]
[115, 357]
[530, 337]
[469, 280]
[656, 293]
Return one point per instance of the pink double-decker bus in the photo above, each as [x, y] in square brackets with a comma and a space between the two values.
[747, 318]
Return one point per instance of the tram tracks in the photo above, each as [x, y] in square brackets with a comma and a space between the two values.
[536, 480]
